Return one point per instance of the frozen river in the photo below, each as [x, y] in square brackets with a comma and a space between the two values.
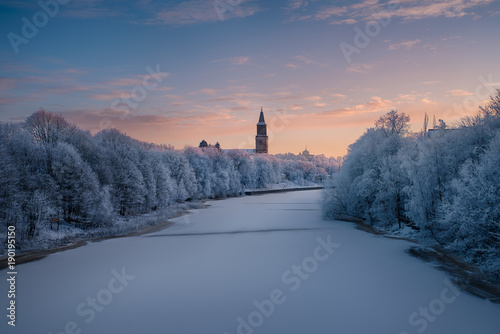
[257, 264]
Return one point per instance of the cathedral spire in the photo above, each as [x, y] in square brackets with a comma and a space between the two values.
[261, 140]
[261, 117]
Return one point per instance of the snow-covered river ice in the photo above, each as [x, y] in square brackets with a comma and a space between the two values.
[256, 264]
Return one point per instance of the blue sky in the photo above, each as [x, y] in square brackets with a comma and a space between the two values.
[92, 61]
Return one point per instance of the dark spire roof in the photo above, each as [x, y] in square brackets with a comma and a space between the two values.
[261, 118]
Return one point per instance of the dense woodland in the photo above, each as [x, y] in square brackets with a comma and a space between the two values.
[442, 186]
[55, 175]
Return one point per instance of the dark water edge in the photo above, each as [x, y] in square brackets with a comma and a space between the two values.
[35, 255]
[283, 190]
[465, 275]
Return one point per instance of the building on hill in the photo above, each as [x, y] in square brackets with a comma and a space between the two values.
[306, 154]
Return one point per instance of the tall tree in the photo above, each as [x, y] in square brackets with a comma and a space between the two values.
[393, 123]
[47, 127]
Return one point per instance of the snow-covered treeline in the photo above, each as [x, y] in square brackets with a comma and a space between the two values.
[52, 172]
[304, 167]
[444, 183]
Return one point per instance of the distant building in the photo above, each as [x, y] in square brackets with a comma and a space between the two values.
[306, 154]
[434, 133]
[261, 140]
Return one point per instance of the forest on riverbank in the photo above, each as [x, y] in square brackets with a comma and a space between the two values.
[439, 186]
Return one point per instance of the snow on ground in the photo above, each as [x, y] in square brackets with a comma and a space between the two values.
[234, 268]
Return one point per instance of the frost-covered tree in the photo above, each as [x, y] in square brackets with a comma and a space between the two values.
[182, 174]
[203, 168]
[268, 170]
[470, 219]
[492, 109]
[245, 167]
[164, 184]
[393, 123]
[46, 127]
[77, 184]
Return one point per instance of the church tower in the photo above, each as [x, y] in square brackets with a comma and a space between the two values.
[261, 140]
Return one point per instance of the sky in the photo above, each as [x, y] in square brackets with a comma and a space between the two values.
[178, 72]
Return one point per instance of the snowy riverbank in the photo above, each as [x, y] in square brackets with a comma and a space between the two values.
[69, 236]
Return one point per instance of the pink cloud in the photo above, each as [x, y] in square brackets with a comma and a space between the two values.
[404, 45]
[360, 68]
[407, 10]
[292, 65]
[199, 11]
[459, 92]
[126, 82]
[115, 94]
[346, 21]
